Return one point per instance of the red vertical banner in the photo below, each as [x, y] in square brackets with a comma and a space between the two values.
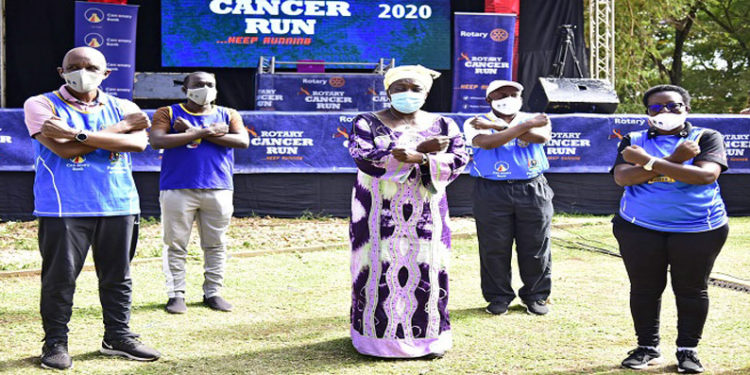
[512, 7]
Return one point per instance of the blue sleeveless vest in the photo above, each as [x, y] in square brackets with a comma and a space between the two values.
[199, 164]
[667, 205]
[515, 160]
[99, 183]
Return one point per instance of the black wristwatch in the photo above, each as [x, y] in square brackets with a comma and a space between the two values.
[81, 136]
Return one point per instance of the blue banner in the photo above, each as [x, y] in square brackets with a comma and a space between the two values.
[483, 52]
[288, 142]
[302, 92]
[110, 28]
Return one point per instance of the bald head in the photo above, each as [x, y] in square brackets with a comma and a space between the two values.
[83, 58]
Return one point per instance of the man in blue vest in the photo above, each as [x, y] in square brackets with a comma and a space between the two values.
[84, 196]
[511, 199]
[198, 139]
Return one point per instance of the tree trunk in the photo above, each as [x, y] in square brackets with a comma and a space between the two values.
[681, 32]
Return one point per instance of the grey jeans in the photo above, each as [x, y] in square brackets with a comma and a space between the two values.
[212, 209]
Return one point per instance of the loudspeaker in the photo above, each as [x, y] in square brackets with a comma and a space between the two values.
[568, 95]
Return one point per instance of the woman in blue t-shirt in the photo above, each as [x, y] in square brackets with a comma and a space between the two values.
[671, 217]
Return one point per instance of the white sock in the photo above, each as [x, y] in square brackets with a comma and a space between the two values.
[656, 348]
[693, 349]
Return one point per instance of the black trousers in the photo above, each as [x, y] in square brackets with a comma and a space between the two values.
[64, 243]
[520, 211]
[689, 256]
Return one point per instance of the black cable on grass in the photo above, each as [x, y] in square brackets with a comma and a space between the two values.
[728, 282]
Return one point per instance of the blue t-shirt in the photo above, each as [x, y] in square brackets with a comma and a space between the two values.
[199, 164]
[99, 183]
[515, 160]
[668, 205]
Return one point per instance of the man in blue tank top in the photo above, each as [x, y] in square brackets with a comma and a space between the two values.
[511, 199]
[84, 196]
[198, 139]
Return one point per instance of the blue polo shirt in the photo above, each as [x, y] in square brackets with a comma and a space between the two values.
[668, 205]
[515, 160]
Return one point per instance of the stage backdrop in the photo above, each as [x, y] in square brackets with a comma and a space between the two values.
[110, 28]
[320, 92]
[230, 33]
[483, 53]
[289, 142]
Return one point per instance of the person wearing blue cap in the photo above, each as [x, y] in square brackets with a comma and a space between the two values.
[671, 220]
[511, 199]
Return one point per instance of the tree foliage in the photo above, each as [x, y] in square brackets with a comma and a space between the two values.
[702, 45]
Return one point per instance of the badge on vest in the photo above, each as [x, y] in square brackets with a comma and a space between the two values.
[501, 168]
[77, 163]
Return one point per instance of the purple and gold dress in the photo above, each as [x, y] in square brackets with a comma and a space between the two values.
[400, 239]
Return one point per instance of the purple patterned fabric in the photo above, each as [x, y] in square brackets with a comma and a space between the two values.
[401, 239]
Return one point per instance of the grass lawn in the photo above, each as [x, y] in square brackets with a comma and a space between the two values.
[291, 317]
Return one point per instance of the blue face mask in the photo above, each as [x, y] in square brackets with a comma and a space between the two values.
[407, 102]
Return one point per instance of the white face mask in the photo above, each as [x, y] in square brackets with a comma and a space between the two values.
[668, 121]
[202, 96]
[83, 81]
[508, 106]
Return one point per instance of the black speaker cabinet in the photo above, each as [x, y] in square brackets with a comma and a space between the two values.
[568, 95]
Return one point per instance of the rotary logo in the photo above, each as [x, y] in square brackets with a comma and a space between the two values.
[93, 40]
[114, 157]
[502, 166]
[341, 132]
[94, 15]
[337, 81]
[498, 35]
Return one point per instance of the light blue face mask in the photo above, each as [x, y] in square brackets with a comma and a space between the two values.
[407, 102]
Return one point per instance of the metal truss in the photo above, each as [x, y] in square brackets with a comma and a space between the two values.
[602, 39]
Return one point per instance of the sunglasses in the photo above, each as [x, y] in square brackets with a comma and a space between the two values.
[672, 107]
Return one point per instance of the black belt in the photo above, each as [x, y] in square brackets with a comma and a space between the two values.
[510, 182]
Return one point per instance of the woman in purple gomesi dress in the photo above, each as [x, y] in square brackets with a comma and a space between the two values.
[399, 226]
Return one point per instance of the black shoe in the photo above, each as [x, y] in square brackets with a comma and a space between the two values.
[131, 348]
[497, 308]
[688, 363]
[536, 307]
[217, 303]
[55, 356]
[641, 357]
[432, 356]
[176, 305]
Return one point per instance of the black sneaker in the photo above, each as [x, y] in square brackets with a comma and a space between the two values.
[131, 348]
[497, 308]
[641, 357]
[217, 303]
[176, 305]
[688, 363]
[536, 307]
[55, 356]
